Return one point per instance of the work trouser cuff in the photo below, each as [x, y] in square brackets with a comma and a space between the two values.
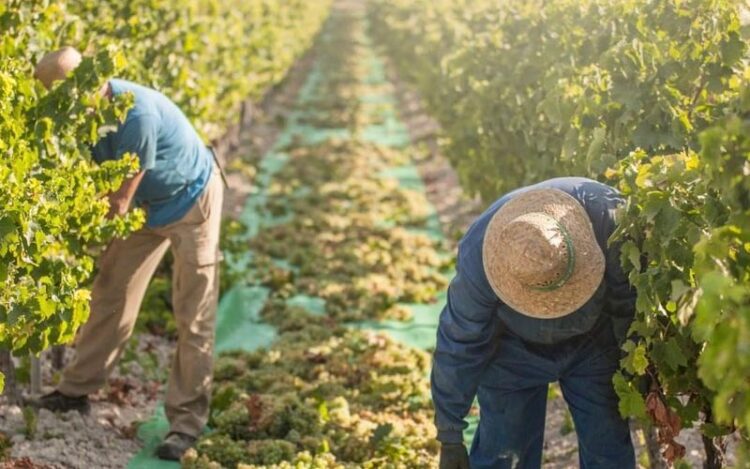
[72, 390]
[188, 430]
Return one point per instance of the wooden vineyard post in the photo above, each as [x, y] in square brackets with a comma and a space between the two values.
[9, 370]
[58, 357]
[654, 449]
[36, 376]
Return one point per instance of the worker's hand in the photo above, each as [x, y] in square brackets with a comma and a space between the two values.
[117, 208]
[454, 456]
[120, 200]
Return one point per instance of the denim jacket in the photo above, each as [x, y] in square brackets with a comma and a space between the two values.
[474, 316]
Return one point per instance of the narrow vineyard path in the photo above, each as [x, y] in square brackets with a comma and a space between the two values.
[339, 268]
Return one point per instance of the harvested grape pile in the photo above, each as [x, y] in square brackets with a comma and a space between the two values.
[348, 239]
[357, 395]
[342, 231]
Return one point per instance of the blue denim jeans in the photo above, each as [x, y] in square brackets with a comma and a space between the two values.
[513, 396]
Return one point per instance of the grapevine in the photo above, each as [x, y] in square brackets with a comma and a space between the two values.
[650, 96]
[54, 211]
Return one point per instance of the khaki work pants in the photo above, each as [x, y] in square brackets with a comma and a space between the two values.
[125, 270]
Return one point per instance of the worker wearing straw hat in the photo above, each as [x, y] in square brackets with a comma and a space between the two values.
[180, 190]
[538, 297]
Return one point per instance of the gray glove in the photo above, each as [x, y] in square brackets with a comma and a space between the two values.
[454, 456]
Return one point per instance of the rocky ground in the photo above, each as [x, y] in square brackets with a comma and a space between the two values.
[106, 437]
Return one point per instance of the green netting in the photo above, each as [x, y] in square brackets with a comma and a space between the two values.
[239, 325]
[315, 306]
[421, 330]
[151, 433]
[418, 332]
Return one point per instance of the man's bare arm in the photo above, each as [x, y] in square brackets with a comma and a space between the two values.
[119, 201]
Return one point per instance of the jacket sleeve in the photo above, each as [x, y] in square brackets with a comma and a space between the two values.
[465, 344]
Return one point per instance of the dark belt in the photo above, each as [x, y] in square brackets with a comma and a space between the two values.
[218, 165]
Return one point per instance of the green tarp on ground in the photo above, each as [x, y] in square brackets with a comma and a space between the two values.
[239, 325]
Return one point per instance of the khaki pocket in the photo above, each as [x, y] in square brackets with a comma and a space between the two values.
[201, 210]
[195, 240]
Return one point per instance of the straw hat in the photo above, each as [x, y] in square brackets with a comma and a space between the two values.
[57, 65]
[540, 254]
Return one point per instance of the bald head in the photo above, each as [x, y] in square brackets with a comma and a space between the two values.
[57, 65]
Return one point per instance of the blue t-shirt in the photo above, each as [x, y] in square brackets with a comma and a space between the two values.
[177, 163]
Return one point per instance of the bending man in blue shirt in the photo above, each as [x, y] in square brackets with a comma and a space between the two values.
[538, 297]
[182, 194]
